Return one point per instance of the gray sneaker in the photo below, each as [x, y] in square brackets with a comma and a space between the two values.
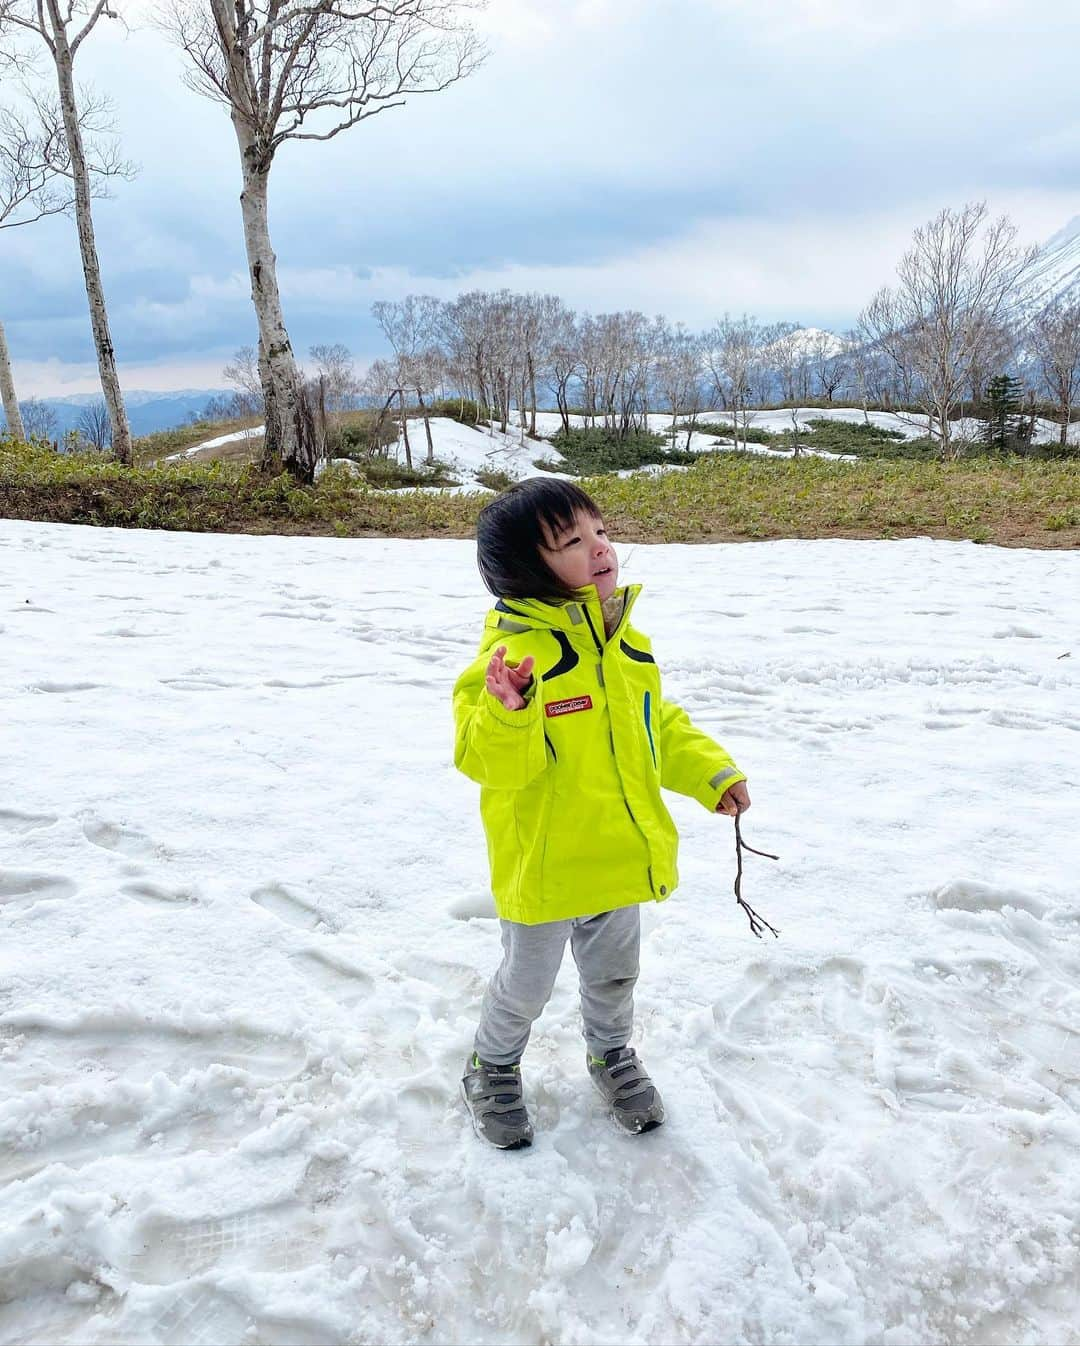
[493, 1096]
[622, 1079]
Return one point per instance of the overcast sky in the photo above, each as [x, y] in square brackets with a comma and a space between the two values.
[685, 157]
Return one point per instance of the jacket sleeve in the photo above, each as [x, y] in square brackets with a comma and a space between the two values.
[500, 748]
[691, 763]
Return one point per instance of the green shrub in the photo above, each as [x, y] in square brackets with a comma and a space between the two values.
[388, 472]
[588, 452]
[461, 409]
[853, 430]
[724, 430]
[494, 478]
[353, 438]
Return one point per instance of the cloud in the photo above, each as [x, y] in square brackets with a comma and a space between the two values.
[809, 267]
[703, 155]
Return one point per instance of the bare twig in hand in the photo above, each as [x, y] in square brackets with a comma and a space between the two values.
[757, 923]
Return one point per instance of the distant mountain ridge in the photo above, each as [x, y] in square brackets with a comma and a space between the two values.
[147, 410]
[1057, 273]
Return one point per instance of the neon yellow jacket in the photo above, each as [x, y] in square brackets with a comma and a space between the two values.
[570, 796]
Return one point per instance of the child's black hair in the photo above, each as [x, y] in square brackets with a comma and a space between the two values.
[509, 537]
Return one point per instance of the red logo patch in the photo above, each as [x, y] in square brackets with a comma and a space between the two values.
[569, 707]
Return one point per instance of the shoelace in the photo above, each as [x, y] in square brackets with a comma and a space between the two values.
[757, 923]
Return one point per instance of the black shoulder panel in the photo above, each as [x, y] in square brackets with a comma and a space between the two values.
[639, 656]
[567, 660]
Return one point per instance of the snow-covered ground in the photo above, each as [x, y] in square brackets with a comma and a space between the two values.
[246, 929]
[468, 450]
[234, 437]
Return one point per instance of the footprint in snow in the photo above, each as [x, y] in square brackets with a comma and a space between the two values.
[201, 1316]
[62, 688]
[1017, 632]
[971, 895]
[122, 840]
[23, 888]
[337, 977]
[157, 894]
[264, 1239]
[276, 899]
[135, 1050]
[196, 684]
[12, 820]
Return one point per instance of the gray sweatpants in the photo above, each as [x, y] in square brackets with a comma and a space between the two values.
[605, 948]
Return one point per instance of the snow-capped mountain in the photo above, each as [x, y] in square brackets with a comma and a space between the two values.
[1057, 273]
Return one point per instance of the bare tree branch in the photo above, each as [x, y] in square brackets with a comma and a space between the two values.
[308, 71]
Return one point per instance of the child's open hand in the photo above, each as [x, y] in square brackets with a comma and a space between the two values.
[736, 800]
[508, 683]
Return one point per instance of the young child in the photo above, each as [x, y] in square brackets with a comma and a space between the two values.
[562, 722]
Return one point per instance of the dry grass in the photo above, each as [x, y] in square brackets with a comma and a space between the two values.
[726, 497]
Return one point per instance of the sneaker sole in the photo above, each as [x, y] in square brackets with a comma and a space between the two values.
[523, 1143]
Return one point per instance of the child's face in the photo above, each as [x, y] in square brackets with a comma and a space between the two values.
[581, 554]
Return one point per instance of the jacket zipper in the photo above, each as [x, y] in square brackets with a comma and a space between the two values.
[592, 628]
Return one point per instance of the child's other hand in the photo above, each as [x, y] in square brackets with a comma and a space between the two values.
[736, 800]
[508, 683]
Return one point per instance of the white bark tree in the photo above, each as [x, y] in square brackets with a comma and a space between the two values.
[12, 414]
[733, 352]
[956, 288]
[63, 26]
[334, 366]
[411, 329]
[35, 181]
[300, 70]
[95, 426]
[828, 362]
[564, 361]
[39, 419]
[678, 378]
[780, 344]
[243, 373]
[1054, 338]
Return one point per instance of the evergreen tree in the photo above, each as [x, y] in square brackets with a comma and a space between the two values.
[1001, 421]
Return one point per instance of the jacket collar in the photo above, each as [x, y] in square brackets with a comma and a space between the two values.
[583, 618]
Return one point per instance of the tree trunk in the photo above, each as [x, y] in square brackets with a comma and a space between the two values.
[376, 432]
[946, 439]
[562, 400]
[7, 392]
[405, 430]
[95, 294]
[291, 432]
[427, 428]
[532, 390]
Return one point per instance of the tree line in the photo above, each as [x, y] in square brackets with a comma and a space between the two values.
[965, 328]
[283, 70]
[964, 310]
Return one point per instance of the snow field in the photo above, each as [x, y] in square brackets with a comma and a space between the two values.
[246, 930]
[468, 450]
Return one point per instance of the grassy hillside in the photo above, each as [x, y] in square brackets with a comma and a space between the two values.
[724, 497]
